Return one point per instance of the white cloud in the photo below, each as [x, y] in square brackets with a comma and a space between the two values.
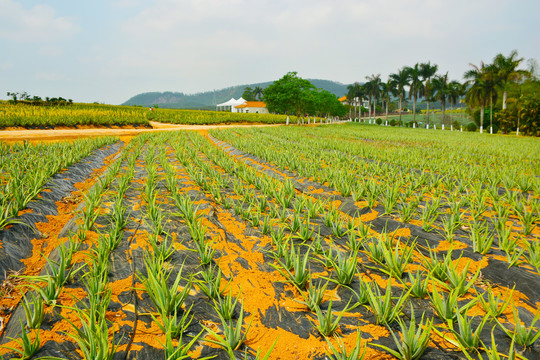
[35, 24]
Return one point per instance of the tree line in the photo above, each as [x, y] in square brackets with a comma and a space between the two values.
[25, 98]
[510, 96]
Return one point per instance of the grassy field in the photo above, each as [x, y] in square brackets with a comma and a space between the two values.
[291, 242]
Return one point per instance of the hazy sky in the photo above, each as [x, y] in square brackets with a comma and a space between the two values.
[108, 51]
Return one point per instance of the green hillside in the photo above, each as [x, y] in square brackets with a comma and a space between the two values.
[208, 100]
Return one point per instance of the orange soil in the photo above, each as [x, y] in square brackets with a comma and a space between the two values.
[69, 133]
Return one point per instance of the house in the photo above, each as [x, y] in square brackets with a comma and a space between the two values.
[251, 107]
[354, 102]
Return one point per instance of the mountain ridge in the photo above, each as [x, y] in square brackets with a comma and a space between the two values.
[209, 99]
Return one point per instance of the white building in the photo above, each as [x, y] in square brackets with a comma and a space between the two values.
[257, 107]
[229, 105]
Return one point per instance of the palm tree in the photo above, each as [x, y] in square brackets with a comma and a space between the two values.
[477, 94]
[258, 92]
[399, 80]
[355, 92]
[386, 92]
[428, 71]
[454, 94]
[506, 71]
[441, 92]
[415, 85]
[373, 90]
[491, 82]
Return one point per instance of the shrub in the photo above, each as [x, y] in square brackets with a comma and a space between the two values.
[378, 121]
[392, 122]
[471, 127]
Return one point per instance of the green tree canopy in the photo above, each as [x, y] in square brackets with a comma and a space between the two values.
[248, 94]
[289, 95]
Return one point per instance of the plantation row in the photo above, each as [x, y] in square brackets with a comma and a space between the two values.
[19, 115]
[25, 168]
[332, 241]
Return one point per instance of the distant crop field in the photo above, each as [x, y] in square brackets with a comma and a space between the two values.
[30, 116]
[293, 242]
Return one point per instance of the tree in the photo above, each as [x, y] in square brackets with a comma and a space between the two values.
[415, 85]
[289, 95]
[248, 94]
[386, 92]
[491, 83]
[477, 94]
[326, 103]
[506, 70]
[373, 90]
[441, 92]
[258, 92]
[455, 90]
[428, 71]
[399, 80]
[354, 93]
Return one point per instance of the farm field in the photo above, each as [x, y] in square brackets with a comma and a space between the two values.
[97, 115]
[328, 242]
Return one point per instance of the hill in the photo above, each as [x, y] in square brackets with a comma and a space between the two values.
[209, 99]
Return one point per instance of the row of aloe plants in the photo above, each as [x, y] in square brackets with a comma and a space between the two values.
[43, 291]
[25, 168]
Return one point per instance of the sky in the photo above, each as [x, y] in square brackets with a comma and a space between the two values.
[109, 51]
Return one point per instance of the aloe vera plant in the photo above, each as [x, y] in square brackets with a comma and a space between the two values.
[345, 267]
[340, 352]
[166, 298]
[493, 354]
[396, 260]
[522, 334]
[481, 237]
[468, 337]
[298, 273]
[34, 310]
[225, 305]
[233, 336]
[385, 309]
[172, 324]
[327, 324]
[447, 307]
[414, 338]
[28, 346]
[495, 306]
[314, 294]
[211, 283]
[461, 281]
[419, 284]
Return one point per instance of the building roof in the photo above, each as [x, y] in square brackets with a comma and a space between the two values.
[252, 104]
[343, 98]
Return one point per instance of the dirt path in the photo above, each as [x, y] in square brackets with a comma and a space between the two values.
[66, 134]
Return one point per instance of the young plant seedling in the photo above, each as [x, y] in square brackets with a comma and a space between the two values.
[414, 338]
[340, 352]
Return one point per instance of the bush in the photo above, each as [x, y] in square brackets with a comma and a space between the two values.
[378, 121]
[456, 124]
[392, 122]
[471, 127]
